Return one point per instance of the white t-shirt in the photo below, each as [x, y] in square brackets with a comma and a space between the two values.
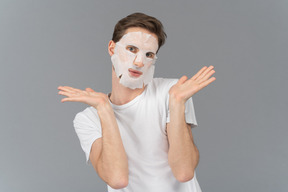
[142, 126]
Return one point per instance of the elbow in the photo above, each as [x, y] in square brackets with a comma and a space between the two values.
[118, 183]
[185, 176]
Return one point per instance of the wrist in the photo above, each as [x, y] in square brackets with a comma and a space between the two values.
[176, 99]
[104, 108]
[176, 104]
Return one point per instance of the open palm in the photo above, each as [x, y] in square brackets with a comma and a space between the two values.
[185, 88]
[89, 96]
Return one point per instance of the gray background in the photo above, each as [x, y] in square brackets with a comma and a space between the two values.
[242, 133]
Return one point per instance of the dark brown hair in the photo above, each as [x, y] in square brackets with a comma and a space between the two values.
[140, 20]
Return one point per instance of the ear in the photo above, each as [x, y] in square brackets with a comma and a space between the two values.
[111, 47]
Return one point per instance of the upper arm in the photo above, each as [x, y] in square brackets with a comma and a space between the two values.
[106, 176]
[88, 129]
[95, 154]
[189, 130]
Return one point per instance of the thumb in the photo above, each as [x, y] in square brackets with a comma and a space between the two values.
[89, 89]
[182, 79]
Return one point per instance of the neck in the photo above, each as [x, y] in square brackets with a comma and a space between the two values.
[121, 95]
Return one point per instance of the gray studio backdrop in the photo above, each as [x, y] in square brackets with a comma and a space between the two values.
[242, 116]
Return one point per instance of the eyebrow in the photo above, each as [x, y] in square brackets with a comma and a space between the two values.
[132, 45]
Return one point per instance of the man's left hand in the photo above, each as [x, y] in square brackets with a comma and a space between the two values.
[185, 88]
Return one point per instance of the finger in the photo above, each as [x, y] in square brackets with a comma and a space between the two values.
[89, 89]
[71, 89]
[205, 83]
[75, 99]
[64, 87]
[67, 89]
[205, 72]
[182, 79]
[68, 94]
[199, 73]
[207, 76]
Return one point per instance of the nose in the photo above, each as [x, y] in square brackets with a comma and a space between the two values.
[139, 61]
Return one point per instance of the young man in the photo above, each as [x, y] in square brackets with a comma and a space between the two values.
[138, 137]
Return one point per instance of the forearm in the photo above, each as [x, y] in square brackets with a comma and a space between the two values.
[113, 159]
[107, 153]
[183, 155]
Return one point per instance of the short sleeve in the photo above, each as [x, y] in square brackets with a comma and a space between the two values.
[190, 116]
[88, 128]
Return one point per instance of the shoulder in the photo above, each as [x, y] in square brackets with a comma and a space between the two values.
[162, 84]
[87, 116]
[159, 88]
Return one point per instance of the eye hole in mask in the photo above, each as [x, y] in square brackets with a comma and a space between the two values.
[135, 50]
[147, 57]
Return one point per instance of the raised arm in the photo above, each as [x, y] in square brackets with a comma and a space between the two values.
[183, 155]
[107, 154]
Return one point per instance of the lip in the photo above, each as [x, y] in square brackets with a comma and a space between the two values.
[134, 73]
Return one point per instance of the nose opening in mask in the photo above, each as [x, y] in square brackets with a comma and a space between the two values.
[139, 58]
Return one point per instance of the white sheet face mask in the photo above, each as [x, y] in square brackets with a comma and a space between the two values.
[134, 58]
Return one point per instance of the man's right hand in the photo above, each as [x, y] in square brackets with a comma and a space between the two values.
[89, 96]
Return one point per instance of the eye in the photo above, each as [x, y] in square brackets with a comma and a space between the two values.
[132, 49]
[150, 55]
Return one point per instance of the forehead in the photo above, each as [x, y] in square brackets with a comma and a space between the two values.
[141, 39]
[136, 29]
